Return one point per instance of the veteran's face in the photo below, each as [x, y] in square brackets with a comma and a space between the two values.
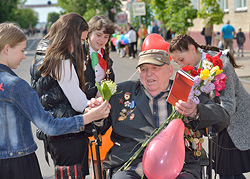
[155, 78]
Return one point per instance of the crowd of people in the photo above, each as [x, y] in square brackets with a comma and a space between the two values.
[64, 103]
[225, 38]
[128, 40]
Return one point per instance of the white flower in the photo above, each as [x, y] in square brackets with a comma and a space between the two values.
[112, 85]
[207, 65]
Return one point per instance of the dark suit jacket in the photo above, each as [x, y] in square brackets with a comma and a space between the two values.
[133, 123]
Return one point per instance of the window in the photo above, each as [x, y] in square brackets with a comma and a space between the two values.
[224, 5]
[240, 5]
[196, 4]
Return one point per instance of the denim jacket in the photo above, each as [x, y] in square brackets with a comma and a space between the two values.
[20, 105]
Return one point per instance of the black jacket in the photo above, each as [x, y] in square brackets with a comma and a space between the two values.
[50, 93]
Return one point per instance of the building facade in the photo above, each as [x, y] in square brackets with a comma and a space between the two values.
[237, 11]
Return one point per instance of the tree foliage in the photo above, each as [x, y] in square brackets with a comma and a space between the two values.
[211, 12]
[179, 14]
[10, 12]
[78, 6]
[26, 18]
[175, 14]
[52, 17]
[89, 6]
[147, 19]
[8, 9]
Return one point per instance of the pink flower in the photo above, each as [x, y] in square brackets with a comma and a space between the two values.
[220, 81]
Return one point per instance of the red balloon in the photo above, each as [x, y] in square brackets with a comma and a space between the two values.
[155, 41]
[165, 154]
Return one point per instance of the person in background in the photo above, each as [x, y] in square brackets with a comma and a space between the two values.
[57, 75]
[141, 107]
[233, 147]
[142, 34]
[155, 28]
[227, 35]
[98, 62]
[208, 34]
[20, 105]
[132, 42]
[240, 38]
[169, 35]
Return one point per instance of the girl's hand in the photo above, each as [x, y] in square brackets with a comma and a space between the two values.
[97, 112]
[94, 103]
[188, 108]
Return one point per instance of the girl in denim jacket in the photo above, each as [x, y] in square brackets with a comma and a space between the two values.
[20, 105]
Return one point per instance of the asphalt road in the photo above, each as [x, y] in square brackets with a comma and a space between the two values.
[124, 69]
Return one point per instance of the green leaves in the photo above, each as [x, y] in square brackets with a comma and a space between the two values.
[106, 89]
[106, 92]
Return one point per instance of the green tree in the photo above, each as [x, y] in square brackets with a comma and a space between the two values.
[52, 17]
[26, 18]
[78, 6]
[211, 12]
[175, 14]
[8, 9]
[147, 19]
[89, 6]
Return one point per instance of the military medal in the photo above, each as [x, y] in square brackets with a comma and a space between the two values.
[121, 100]
[201, 140]
[132, 104]
[198, 153]
[131, 117]
[127, 95]
[121, 118]
[124, 110]
[127, 104]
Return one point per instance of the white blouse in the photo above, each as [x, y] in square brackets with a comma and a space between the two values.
[70, 85]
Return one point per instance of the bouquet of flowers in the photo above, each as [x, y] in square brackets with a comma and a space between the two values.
[207, 77]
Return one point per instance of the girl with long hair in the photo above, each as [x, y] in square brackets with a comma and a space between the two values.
[233, 148]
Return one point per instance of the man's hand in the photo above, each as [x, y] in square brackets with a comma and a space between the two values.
[188, 108]
[99, 110]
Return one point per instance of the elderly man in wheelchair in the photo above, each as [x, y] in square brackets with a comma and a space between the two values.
[141, 107]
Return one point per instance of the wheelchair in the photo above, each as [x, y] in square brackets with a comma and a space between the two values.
[205, 159]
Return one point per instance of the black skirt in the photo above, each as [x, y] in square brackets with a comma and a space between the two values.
[70, 151]
[228, 159]
[26, 167]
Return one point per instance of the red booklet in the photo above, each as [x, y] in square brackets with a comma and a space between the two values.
[181, 88]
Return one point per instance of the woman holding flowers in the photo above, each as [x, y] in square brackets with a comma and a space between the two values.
[233, 148]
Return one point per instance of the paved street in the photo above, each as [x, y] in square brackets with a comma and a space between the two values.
[124, 69]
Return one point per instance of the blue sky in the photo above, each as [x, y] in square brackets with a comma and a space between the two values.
[43, 12]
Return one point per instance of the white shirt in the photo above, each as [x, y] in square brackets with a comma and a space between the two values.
[70, 85]
[131, 36]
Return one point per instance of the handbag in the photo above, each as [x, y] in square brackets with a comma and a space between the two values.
[220, 44]
[69, 172]
[203, 31]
